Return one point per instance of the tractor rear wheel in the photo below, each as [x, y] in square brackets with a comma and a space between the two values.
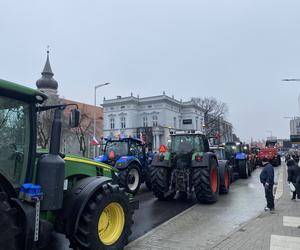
[160, 180]
[106, 220]
[148, 171]
[206, 183]
[130, 178]
[9, 230]
[243, 169]
[224, 179]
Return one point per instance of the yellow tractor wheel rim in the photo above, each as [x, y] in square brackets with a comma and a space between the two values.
[111, 223]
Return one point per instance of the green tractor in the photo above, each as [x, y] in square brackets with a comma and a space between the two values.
[45, 192]
[188, 166]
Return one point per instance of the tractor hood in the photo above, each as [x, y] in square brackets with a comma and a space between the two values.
[78, 159]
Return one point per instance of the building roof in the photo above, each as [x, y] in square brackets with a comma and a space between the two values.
[121, 100]
[21, 91]
[47, 81]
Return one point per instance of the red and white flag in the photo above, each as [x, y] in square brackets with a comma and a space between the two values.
[94, 141]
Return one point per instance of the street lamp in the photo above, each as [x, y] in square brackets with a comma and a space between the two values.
[95, 89]
[291, 80]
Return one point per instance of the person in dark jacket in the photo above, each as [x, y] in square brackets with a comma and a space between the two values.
[294, 177]
[267, 179]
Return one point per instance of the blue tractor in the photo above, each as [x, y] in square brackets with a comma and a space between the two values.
[128, 155]
[236, 153]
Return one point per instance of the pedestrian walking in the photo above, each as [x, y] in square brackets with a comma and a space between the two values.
[294, 177]
[267, 179]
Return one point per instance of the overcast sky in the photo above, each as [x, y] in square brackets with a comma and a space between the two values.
[235, 50]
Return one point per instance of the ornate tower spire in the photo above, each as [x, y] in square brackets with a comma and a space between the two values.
[47, 83]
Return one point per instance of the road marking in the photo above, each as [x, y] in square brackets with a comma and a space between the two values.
[289, 221]
[279, 242]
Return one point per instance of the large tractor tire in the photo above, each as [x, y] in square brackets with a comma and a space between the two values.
[9, 230]
[206, 182]
[243, 169]
[130, 178]
[160, 180]
[225, 179]
[148, 171]
[106, 220]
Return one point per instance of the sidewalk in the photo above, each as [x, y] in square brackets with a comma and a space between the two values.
[280, 230]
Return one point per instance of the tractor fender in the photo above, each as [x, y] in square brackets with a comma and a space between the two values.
[205, 161]
[156, 162]
[125, 161]
[76, 200]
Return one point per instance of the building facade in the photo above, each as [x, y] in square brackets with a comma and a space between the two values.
[152, 117]
[295, 126]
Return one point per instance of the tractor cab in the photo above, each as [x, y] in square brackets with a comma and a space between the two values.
[17, 128]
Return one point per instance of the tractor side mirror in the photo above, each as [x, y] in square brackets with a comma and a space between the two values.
[74, 118]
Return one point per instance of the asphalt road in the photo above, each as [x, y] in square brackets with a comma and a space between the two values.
[244, 201]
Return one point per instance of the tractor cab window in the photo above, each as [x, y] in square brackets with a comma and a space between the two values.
[115, 149]
[135, 149]
[186, 144]
[15, 138]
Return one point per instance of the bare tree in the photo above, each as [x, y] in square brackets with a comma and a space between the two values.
[44, 122]
[84, 129]
[213, 111]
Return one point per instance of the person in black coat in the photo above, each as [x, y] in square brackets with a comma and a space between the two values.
[294, 177]
[267, 179]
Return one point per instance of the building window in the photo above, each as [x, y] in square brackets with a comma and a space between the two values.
[145, 121]
[174, 122]
[155, 121]
[123, 122]
[112, 108]
[112, 123]
[122, 107]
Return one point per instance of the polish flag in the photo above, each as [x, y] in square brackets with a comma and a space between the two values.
[94, 141]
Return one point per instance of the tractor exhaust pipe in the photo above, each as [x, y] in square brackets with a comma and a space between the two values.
[56, 132]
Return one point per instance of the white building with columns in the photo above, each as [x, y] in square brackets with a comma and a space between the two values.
[153, 117]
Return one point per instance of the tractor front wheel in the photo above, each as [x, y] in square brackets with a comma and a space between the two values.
[206, 183]
[130, 179]
[106, 220]
[9, 229]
